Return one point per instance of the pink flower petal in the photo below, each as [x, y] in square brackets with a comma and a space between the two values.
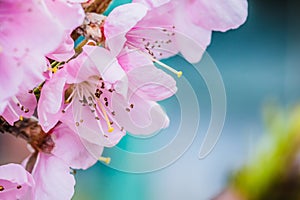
[51, 101]
[155, 33]
[64, 51]
[218, 15]
[152, 3]
[146, 117]
[22, 105]
[93, 149]
[80, 69]
[78, 1]
[53, 178]
[93, 130]
[3, 105]
[34, 69]
[119, 22]
[151, 83]
[132, 59]
[10, 77]
[191, 40]
[15, 17]
[70, 149]
[145, 79]
[15, 182]
[25, 56]
[52, 93]
[108, 67]
[69, 15]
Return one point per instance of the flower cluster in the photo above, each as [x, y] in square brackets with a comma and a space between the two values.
[85, 96]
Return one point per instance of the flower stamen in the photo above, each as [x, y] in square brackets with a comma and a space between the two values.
[178, 73]
[55, 66]
[53, 69]
[66, 108]
[70, 97]
[110, 128]
[106, 160]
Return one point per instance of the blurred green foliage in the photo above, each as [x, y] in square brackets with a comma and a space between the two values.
[275, 172]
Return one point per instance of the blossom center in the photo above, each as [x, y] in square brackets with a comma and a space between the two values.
[110, 128]
[140, 37]
[1, 188]
[92, 93]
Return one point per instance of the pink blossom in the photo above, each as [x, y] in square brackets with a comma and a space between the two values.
[194, 28]
[71, 149]
[89, 80]
[147, 84]
[163, 28]
[16, 182]
[100, 97]
[145, 78]
[58, 150]
[64, 51]
[80, 1]
[133, 106]
[49, 166]
[22, 58]
[51, 170]
[52, 178]
[51, 100]
[119, 22]
[71, 20]
[130, 25]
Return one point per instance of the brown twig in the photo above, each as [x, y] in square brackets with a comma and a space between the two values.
[29, 130]
[98, 6]
[18, 130]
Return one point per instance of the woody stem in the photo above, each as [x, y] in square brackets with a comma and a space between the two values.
[19, 129]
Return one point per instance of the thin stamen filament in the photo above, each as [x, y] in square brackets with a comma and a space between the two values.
[67, 107]
[110, 128]
[178, 73]
[70, 97]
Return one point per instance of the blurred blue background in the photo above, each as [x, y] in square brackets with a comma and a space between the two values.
[259, 64]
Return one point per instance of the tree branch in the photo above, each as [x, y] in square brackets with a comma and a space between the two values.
[18, 130]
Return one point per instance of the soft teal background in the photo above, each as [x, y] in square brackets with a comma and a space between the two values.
[259, 63]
